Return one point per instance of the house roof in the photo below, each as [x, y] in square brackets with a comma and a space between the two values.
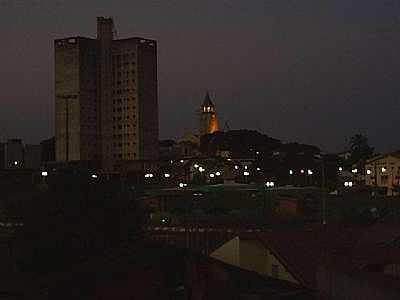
[303, 251]
[395, 154]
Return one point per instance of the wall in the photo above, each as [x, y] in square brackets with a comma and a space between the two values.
[392, 174]
[253, 256]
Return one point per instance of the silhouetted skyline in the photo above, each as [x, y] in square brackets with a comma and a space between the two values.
[307, 71]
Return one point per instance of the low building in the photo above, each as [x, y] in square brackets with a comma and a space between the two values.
[2, 156]
[13, 154]
[48, 150]
[32, 156]
[383, 172]
[341, 263]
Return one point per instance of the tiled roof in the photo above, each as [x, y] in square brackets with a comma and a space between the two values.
[302, 251]
[351, 249]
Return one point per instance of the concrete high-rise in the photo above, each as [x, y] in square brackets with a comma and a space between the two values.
[106, 97]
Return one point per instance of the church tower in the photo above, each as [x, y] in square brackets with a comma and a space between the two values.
[208, 117]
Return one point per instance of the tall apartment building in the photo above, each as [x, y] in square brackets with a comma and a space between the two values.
[106, 97]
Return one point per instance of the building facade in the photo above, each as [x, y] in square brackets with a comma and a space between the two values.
[208, 117]
[106, 98]
[384, 172]
[15, 155]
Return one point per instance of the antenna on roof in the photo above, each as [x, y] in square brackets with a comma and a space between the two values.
[226, 126]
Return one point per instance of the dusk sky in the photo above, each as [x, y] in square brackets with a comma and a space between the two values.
[310, 71]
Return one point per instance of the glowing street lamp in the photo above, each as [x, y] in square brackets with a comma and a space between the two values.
[15, 163]
[218, 173]
[291, 172]
[45, 174]
[354, 171]
[181, 161]
[94, 176]
[383, 169]
[201, 169]
[236, 167]
[258, 169]
[348, 183]
[340, 169]
[270, 184]
[167, 175]
[310, 172]
[149, 175]
[369, 172]
[302, 171]
[245, 173]
[212, 175]
[196, 166]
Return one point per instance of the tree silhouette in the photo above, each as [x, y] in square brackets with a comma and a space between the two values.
[360, 149]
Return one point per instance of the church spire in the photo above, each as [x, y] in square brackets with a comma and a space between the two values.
[208, 116]
[207, 100]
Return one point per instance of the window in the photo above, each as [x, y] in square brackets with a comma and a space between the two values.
[384, 179]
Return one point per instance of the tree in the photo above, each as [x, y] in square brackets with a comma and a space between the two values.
[359, 148]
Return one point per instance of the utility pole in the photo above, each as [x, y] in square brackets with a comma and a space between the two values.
[323, 192]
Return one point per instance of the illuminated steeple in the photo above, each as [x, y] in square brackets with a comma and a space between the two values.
[208, 117]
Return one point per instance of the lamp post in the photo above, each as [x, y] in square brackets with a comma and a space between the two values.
[268, 185]
[44, 175]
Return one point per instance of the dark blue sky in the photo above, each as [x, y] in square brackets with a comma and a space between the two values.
[310, 71]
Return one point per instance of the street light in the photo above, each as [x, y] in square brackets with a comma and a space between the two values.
[149, 175]
[196, 166]
[218, 173]
[94, 176]
[302, 171]
[201, 169]
[309, 172]
[354, 171]
[291, 172]
[258, 169]
[245, 173]
[15, 163]
[236, 167]
[44, 175]
[369, 172]
[270, 184]
[167, 175]
[383, 169]
[182, 185]
[340, 169]
[182, 161]
[212, 175]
